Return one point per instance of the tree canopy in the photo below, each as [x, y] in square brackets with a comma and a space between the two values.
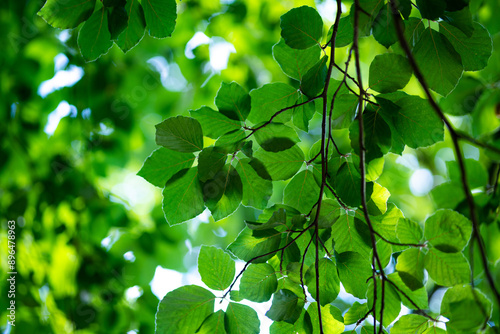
[313, 166]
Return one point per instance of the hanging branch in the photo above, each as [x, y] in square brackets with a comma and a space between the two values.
[458, 152]
[362, 151]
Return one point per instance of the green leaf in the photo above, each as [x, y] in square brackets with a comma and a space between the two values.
[467, 308]
[269, 99]
[448, 195]
[354, 313]
[351, 234]
[214, 123]
[293, 62]
[464, 97]
[65, 14]
[438, 61]
[210, 161]
[223, 192]
[448, 231]
[410, 323]
[276, 137]
[329, 281]
[348, 185]
[344, 32]
[484, 115]
[367, 14]
[344, 111]
[182, 197]
[331, 318]
[232, 141]
[404, 7]
[378, 140]
[462, 20]
[330, 212]
[183, 310]
[162, 164]
[409, 232]
[280, 165]
[412, 298]
[301, 27]
[354, 271]
[247, 245]
[384, 29]
[286, 307]
[367, 329]
[303, 114]
[216, 268]
[258, 282]
[302, 192]
[410, 266]
[160, 17]
[242, 319]
[256, 190]
[314, 80]
[447, 269]
[94, 38]
[136, 25]
[389, 72]
[182, 134]
[411, 119]
[453, 5]
[392, 302]
[233, 101]
[475, 50]
[431, 9]
[477, 176]
[214, 324]
[117, 21]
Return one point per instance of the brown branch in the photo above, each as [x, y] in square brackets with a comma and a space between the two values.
[397, 243]
[458, 152]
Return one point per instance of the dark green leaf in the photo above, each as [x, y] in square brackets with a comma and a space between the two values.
[182, 197]
[294, 62]
[162, 164]
[182, 134]
[431, 9]
[302, 191]
[117, 21]
[271, 98]
[462, 20]
[344, 111]
[280, 165]
[276, 137]
[233, 101]
[348, 185]
[448, 195]
[247, 246]
[184, 310]
[278, 218]
[286, 307]
[301, 27]
[411, 119]
[214, 324]
[354, 271]
[464, 97]
[330, 212]
[258, 282]
[354, 313]
[467, 308]
[392, 302]
[160, 17]
[303, 114]
[389, 72]
[66, 14]
[384, 29]
[415, 299]
[452, 5]
[231, 141]
[438, 61]
[301, 326]
[367, 14]
[448, 231]
[475, 50]
[344, 33]
[447, 269]
[331, 317]
[314, 80]
[94, 38]
[410, 323]
[329, 281]
[210, 161]
[351, 234]
[404, 7]
[241, 319]
[136, 25]
[216, 268]
[256, 190]
[223, 192]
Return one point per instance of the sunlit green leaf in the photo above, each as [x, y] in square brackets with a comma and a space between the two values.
[182, 134]
[214, 324]
[223, 192]
[294, 62]
[214, 123]
[162, 164]
[302, 191]
[256, 190]
[276, 137]
[160, 17]
[216, 268]
[301, 27]
[329, 281]
[270, 99]
[94, 38]
[331, 317]
[242, 319]
[233, 101]
[286, 307]
[280, 165]
[258, 282]
[447, 269]
[354, 271]
[410, 323]
[66, 14]
[392, 302]
[356, 312]
[448, 231]
[247, 246]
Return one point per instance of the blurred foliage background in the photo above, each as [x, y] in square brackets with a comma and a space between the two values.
[90, 233]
